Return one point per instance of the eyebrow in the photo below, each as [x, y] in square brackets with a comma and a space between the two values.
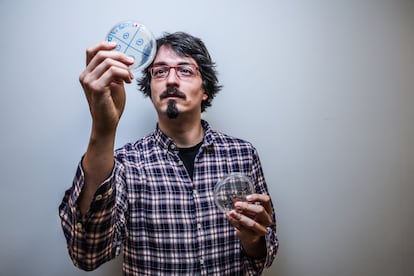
[162, 63]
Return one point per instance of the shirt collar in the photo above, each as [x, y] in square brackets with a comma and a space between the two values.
[166, 142]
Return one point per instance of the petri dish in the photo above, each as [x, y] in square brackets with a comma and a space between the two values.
[135, 40]
[232, 188]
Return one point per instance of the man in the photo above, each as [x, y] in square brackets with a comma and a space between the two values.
[154, 198]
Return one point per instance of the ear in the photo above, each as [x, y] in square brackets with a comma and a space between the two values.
[205, 96]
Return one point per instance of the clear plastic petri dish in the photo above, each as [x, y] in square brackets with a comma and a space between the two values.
[232, 188]
[136, 41]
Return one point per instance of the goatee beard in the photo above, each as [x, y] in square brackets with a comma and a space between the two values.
[172, 111]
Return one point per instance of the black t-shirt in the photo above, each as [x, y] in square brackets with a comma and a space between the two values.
[187, 155]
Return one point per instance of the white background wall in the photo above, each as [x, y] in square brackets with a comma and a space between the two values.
[324, 89]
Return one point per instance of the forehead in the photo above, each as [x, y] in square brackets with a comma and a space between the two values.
[167, 55]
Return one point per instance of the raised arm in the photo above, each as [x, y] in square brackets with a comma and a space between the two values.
[103, 83]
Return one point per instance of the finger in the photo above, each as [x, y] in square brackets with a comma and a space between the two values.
[110, 76]
[254, 211]
[93, 50]
[112, 66]
[104, 73]
[264, 200]
[244, 223]
[109, 58]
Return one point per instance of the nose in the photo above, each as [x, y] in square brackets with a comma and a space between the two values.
[172, 78]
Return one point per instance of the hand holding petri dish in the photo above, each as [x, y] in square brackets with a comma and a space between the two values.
[234, 187]
[136, 41]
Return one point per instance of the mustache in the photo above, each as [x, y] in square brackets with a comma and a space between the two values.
[172, 91]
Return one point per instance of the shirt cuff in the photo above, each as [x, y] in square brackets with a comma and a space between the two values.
[272, 245]
[104, 195]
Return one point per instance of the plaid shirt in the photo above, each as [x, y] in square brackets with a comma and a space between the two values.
[167, 223]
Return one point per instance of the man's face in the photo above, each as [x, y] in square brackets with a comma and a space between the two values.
[184, 94]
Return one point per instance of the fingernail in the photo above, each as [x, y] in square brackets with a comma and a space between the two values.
[238, 205]
[234, 215]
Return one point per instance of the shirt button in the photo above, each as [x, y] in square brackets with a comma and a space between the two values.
[180, 163]
[172, 146]
[195, 193]
[201, 261]
[78, 226]
[199, 226]
[98, 197]
[110, 191]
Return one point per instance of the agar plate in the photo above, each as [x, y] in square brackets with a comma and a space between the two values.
[234, 187]
[136, 41]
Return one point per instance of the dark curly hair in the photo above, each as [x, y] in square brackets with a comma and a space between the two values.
[189, 46]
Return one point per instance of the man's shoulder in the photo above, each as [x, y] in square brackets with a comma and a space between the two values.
[228, 140]
[219, 137]
[138, 145]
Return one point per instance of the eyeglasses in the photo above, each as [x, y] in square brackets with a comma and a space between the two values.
[183, 71]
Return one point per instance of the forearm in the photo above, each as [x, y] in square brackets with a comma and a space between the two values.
[98, 164]
[255, 248]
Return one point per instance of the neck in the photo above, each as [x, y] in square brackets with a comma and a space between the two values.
[184, 133]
